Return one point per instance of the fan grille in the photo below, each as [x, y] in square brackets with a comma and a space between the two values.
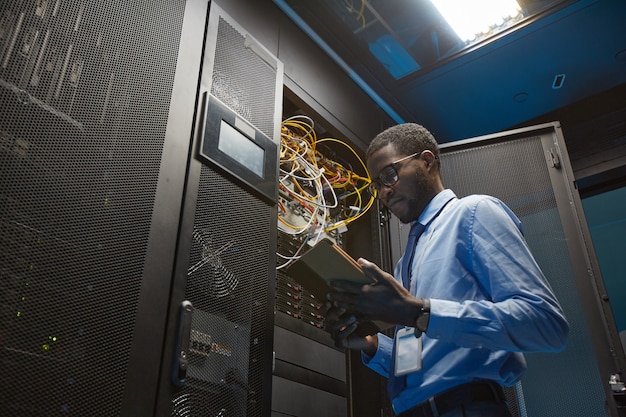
[228, 282]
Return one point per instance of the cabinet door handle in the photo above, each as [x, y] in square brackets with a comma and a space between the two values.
[183, 335]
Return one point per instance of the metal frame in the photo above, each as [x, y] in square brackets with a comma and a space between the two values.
[156, 292]
[203, 23]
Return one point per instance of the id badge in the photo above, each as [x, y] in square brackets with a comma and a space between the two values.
[408, 352]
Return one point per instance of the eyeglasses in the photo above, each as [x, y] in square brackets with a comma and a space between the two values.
[388, 176]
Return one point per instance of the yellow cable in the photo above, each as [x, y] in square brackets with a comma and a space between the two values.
[296, 133]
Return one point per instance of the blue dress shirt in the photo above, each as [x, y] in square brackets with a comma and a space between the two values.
[489, 300]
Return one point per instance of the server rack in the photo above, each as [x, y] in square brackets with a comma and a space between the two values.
[110, 218]
[86, 97]
[311, 374]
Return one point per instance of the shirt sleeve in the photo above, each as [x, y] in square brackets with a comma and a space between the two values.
[380, 362]
[520, 312]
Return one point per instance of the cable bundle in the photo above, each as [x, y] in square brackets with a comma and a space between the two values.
[318, 197]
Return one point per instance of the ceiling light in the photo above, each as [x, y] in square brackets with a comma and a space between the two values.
[477, 18]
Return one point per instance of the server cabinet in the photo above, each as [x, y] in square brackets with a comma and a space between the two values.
[110, 219]
[88, 92]
[529, 170]
[221, 357]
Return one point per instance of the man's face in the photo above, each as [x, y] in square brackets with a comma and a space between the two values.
[414, 189]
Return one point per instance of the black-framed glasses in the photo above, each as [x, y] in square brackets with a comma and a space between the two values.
[387, 176]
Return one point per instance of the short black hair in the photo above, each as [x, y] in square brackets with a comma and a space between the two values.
[406, 138]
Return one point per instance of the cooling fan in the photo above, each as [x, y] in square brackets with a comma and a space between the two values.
[207, 267]
[231, 95]
[188, 405]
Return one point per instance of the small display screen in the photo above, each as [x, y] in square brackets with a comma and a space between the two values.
[238, 148]
[241, 148]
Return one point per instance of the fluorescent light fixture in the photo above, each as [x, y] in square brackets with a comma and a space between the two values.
[471, 19]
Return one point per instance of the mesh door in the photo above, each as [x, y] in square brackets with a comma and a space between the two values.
[84, 93]
[231, 268]
[516, 172]
[242, 80]
[228, 282]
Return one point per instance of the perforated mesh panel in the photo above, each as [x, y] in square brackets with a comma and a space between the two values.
[242, 80]
[232, 260]
[517, 173]
[228, 281]
[84, 93]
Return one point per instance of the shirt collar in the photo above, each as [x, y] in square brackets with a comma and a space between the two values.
[435, 206]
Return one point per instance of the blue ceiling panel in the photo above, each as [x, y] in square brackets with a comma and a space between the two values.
[504, 85]
[407, 59]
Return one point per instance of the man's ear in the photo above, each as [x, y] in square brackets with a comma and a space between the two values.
[429, 158]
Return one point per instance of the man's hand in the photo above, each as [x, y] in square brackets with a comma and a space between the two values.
[386, 300]
[342, 325]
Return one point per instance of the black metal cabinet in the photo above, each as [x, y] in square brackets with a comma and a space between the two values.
[109, 221]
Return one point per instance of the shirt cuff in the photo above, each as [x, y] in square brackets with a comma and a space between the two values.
[380, 362]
